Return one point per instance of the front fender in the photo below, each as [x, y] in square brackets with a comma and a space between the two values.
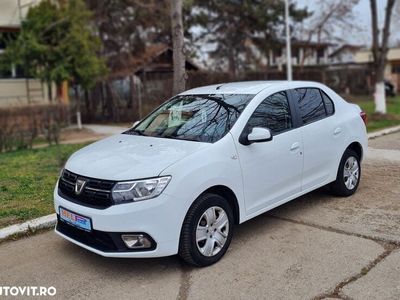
[215, 165]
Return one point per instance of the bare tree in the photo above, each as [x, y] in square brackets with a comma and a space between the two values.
[379, 52]
[330, 19]
[178, 47]
[396, 15]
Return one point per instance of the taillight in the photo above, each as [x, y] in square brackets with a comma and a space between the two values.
[364, 117]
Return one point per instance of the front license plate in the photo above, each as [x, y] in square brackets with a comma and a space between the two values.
[76, 220]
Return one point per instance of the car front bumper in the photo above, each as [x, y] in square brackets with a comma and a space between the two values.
[160, 218]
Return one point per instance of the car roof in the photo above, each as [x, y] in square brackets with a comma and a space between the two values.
[247, 87]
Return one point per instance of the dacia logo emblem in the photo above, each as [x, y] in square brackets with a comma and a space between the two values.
[79, 185]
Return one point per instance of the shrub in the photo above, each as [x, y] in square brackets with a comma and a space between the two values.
[20, 126]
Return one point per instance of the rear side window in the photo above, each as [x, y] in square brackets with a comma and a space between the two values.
[330, 109]
[273, 113]
[311, 105]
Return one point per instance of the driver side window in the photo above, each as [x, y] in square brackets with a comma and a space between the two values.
[272, 113]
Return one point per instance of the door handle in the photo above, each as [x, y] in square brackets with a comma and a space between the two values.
[337, 131]
[295, 146]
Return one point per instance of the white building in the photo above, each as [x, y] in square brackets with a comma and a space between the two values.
[303, 54]
[392, 69]
[15, 89]
[345, 54]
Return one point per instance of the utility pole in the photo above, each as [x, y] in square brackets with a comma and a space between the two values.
[288, 43]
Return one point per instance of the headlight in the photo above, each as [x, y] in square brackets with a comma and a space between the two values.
[61, 173]
[128, 191]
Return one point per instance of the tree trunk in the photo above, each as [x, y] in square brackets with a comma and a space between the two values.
[133, 99]
[50, 91]
[88, 108]
[102, 98]
[179, 59]
[380, 97]
[78, 108]
[58, 92]
[112, 103]
[232, 65]
[379, 53]
[109, 103]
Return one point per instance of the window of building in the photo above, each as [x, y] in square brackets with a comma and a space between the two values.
[395, 68]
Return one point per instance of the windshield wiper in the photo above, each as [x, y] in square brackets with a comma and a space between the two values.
[174, 137]
[135, 132]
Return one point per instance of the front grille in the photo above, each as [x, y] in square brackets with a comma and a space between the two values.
[96, 193]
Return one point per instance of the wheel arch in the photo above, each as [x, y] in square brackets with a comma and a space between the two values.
[229, 195]
[357, 148]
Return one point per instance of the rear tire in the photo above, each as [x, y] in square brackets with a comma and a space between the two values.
[206, 231]
[348, 176]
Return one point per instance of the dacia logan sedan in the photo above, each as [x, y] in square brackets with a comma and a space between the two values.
[205, 160]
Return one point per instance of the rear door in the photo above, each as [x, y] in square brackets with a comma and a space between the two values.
[321, 135]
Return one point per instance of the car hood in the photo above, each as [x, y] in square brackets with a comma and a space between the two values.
[126, 157]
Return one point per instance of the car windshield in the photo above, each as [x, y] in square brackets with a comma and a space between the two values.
[202, 118]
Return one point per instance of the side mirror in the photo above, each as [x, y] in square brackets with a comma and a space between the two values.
[258, 135]
[135, 123]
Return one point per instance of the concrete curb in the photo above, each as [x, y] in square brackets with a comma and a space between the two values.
[50, 220]
[379, 133]
[32, 225]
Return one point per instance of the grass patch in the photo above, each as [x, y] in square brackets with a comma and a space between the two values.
[379, 121]
[27, 180]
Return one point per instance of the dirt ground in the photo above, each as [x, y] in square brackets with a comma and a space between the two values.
[391, 141]
[75, 134]
[90, 133]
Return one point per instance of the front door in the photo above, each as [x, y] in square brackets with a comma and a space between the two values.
[271, 170]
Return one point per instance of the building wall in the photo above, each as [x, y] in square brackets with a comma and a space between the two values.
[10, 11]
[365, 56]
[14, 92]
[393, 57]
[394, 54]
[345, 56]
[310, 57]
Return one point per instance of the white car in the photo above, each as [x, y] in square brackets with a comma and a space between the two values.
[204, 161]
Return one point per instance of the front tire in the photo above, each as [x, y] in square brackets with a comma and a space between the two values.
[207, 231]
[348, 176]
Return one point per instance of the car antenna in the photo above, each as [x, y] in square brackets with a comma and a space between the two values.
[218, 87]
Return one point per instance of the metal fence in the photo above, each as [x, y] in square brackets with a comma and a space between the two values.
[128, 99]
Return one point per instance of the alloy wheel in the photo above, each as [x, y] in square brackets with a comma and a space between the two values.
[351, 172]
[212, 231]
